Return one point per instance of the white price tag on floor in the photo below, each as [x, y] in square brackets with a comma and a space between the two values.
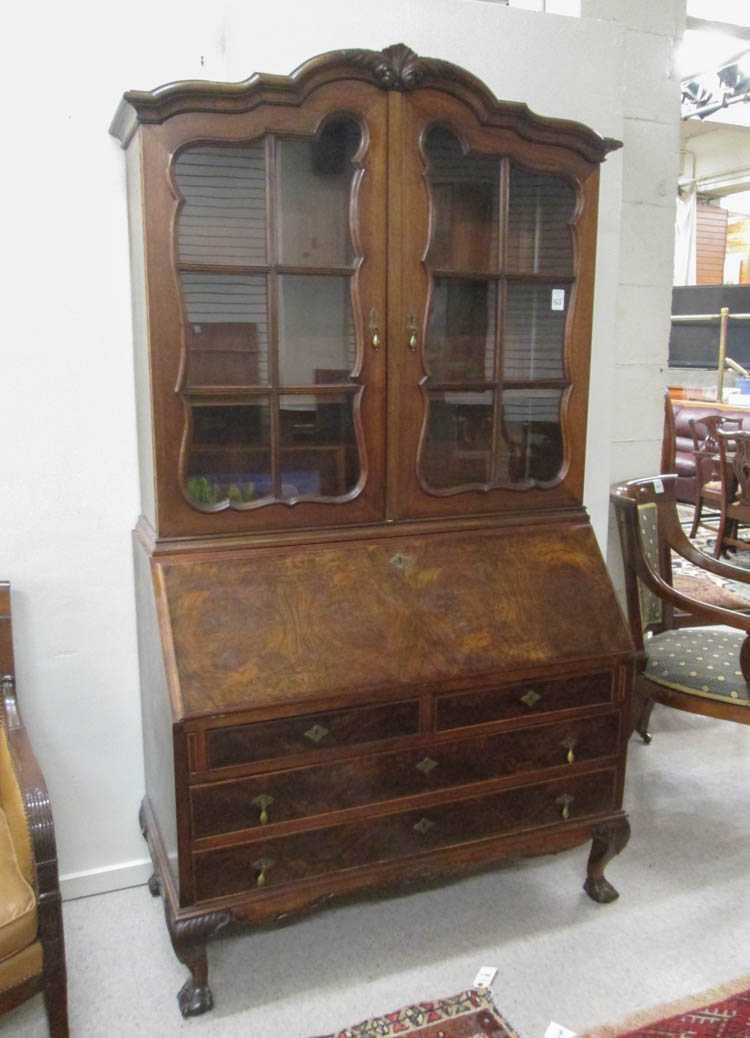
[485, 977]
[558, 1031]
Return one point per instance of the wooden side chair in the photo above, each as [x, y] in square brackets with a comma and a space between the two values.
[32, 950]
[734, 457]
[703, 665]
[704, 432]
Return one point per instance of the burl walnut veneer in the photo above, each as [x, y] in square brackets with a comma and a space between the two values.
[378, 642]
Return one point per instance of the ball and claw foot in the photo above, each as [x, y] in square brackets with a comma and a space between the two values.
[194, 999]
[154, 885]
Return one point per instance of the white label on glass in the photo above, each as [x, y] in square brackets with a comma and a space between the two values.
[558, 1031]
[485, 977]
[558, 299]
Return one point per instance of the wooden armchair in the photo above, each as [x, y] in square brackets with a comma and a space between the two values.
[703, 668]
[32, 951]
[708, 489]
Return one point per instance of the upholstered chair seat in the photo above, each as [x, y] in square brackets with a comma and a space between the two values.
[700, 661]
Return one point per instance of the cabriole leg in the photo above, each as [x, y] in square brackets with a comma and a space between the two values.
[189, 937]
[608, 840]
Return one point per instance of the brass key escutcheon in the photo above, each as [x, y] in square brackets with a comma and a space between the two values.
[262, 866]
[423, 826]
[263, 802]
[316, 733]
[426, 765]
[531, 698]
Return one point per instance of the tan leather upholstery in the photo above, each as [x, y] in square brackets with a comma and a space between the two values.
[11, 802]
[22, 966]
[18, 921]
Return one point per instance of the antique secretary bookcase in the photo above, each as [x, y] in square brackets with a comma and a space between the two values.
[377, 639]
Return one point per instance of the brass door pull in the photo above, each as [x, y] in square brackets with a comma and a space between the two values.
[373, 329]
[411, 331]
[262, 866]
[263, 802]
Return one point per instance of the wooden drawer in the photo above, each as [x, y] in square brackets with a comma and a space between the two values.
[290, 735]
[530, 698]
[283, 796]
[302, 856]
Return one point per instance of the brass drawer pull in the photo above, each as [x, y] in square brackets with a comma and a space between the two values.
[426, 765]
[564, 803]
[531, 698]
[262, 866]
[263, 802]
[569, 745]
[374, 331]
[317, 733]
[423, 826]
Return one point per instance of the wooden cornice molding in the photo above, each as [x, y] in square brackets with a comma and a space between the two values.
[394, 68]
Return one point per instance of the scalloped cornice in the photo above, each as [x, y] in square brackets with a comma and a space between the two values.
[394, 68]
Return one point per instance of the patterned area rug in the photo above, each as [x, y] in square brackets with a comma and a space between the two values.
[707, 587]
[472, 1014]
[721, 1013]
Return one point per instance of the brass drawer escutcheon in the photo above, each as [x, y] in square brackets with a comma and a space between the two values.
[426, 765]
[263, 802]
[531, 698]
[564, 803]
[423, 826]
[317, 733]
[261, 867]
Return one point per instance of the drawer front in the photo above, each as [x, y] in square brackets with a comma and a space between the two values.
[302, 856]
[526, 700]
[280, 738]
[283, 796]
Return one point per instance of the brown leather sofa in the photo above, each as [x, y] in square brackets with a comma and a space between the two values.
[677, 444]
[32, 952]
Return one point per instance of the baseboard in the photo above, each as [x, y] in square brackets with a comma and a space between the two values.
[100, 881]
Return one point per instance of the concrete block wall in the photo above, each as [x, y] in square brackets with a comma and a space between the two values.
[640, 323]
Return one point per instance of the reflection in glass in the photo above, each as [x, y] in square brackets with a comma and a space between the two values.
[226, 329]
[458, 441]
[534, 331]
[317, 342]
[223, 218]
[531, 418]
[464, 191]
[460, 344]
[319, 456]
[315, 179]
[539, 212]
[230, 453]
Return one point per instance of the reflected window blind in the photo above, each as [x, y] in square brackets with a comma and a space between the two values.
[223, 219]
[229, 298]
[539, 237]
[533, 333]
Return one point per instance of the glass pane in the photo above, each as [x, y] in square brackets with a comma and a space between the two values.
[465, 192]
[230, 453]
[539, 213]
[315, 180]
[319, 455]
[226, 329]
[317, 341]
[530, 430]
[534, 331]
[460, 343]
[223, 218]
[458, 442]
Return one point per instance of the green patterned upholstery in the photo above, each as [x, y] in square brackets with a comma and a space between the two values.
[703, 661]
[652, 607]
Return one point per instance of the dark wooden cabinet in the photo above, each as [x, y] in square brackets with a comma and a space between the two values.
[378, 642]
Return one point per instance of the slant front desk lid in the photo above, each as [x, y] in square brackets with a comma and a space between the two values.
[271, 626]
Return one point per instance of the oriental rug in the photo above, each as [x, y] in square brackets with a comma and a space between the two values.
[721, 1013]
[472, 1014]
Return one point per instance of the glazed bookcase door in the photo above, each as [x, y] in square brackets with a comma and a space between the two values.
[270, 385]
[494, 322]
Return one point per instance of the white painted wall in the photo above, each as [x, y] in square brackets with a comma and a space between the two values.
[70, 493]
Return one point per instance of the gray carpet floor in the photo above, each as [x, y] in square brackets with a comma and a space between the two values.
[681, 925]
